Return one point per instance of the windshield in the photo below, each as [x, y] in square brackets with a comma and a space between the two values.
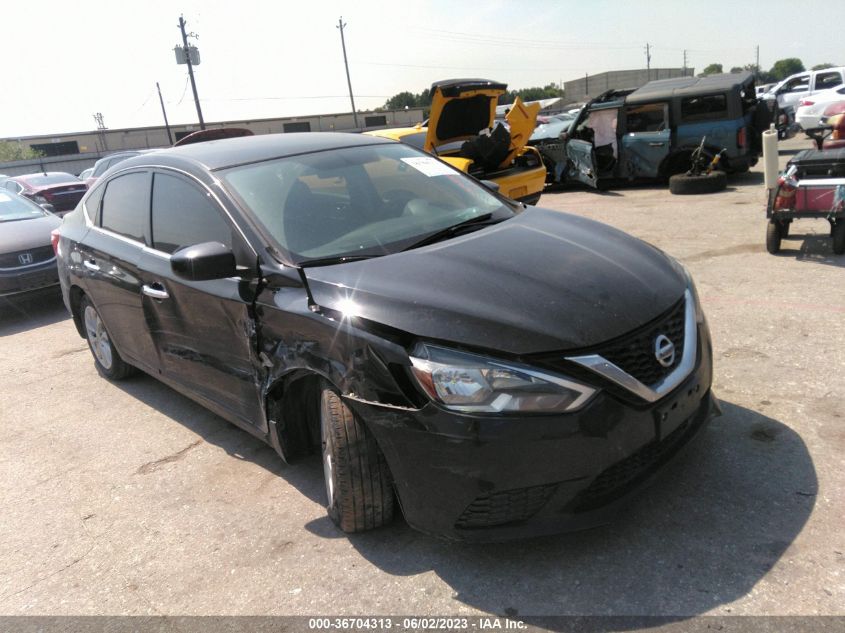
[51, 179]
[358, 201]
[17, 208]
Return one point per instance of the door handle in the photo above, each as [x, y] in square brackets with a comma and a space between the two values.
[156, 291]
[91, 264]
[655, 144]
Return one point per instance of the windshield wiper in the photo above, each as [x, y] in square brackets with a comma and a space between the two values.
[451, 231]
[328, 261]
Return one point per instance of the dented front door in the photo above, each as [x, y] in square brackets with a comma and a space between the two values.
[582, 162]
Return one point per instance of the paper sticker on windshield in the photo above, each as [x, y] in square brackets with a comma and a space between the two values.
[429, 166]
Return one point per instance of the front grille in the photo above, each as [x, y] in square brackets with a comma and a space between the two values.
[38, 254]
[634, 353]
[509, 506]
[622, 476]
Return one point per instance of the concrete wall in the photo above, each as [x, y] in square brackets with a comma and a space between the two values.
[93, 145]
[585, 88]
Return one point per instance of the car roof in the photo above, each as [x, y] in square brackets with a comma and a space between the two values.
[254, 149]
[682, 86]
[41, 174]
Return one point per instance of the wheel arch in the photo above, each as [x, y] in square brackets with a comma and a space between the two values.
[293, 412]
[75, 295]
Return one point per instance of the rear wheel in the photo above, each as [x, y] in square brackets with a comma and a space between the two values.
[358, 484]
[106, 358]
[839, 237]
[773, 237]
[682, 184]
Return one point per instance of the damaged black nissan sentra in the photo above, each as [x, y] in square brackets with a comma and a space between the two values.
[500, 370]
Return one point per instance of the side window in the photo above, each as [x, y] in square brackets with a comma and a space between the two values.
[92, 204]
[184, 215]
[828, 80]
[704, 108]
[11, 185]
[650, 117]
[126, 206]
[100, 168]
[799, 84]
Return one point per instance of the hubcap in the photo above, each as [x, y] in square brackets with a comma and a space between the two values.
[98, 338]
[326, 436]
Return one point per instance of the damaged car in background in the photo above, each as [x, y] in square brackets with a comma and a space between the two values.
[651, 132]
[500, 370]
[462, 130]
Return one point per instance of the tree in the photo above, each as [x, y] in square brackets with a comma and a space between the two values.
[712, 69]
[401, 101]
[823, 66]
[737, 69]
[15, 151]
[783, 68]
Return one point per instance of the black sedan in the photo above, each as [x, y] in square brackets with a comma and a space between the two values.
[27, 260]
[501, 370]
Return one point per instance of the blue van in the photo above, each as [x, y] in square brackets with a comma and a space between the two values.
[650, 133]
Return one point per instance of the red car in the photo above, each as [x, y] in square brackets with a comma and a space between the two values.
[56, 188]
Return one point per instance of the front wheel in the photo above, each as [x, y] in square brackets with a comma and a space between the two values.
[838, 233]
[106, 358]
[359, 489]
[773, 237]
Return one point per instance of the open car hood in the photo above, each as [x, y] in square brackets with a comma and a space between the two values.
[460, 109]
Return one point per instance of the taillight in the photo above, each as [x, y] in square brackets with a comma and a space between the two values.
[785, 198]
[806, 102]
[742, 137]
[54, 240]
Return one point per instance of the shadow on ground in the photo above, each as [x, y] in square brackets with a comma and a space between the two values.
[812, 248]
[30, 312]
[702, 536]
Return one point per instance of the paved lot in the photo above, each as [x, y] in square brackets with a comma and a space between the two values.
[130, 499]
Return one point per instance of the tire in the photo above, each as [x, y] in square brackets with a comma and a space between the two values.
[107, 360]
[682, 185]
[838, 234]
[773, 237]
[359, 488]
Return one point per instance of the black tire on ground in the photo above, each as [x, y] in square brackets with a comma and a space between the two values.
[358, 483]
[773, 237]
[107, 360]
[839, 237]
[681, 184]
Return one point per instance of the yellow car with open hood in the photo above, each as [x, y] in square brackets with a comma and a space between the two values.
[462, 130]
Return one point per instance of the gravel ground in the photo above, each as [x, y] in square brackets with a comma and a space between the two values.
[130, 499]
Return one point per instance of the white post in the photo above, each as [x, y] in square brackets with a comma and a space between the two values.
[770, 156]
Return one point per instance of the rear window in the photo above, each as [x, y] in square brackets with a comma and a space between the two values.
[704, 108]
[126, 206]
[51, 179]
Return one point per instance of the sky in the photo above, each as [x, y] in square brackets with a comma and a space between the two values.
[64, 61]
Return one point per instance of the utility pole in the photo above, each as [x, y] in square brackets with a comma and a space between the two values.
[757, 63]
[685, 62]
[648, 61]
[164, 112]
[182, 24]
[101, 128]
[341, 24]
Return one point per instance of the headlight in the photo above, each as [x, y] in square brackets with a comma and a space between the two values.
[471, 383]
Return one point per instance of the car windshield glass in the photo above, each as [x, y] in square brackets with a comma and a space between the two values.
[358, 201]
[16, 208]
[50, 179]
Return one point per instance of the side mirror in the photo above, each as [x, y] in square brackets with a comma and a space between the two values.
[492, 186]
[49, 208]
[202, 262]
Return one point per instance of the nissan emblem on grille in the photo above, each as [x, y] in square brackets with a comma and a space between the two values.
[25, 258]
[664, 350]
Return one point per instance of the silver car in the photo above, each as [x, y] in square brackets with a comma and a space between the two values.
[27, 258]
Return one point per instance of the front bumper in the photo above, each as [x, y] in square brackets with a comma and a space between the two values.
[478, 478]
[17, 281]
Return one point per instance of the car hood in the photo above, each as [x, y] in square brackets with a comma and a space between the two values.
[541, 281]
[460, 109]
[19, 235]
